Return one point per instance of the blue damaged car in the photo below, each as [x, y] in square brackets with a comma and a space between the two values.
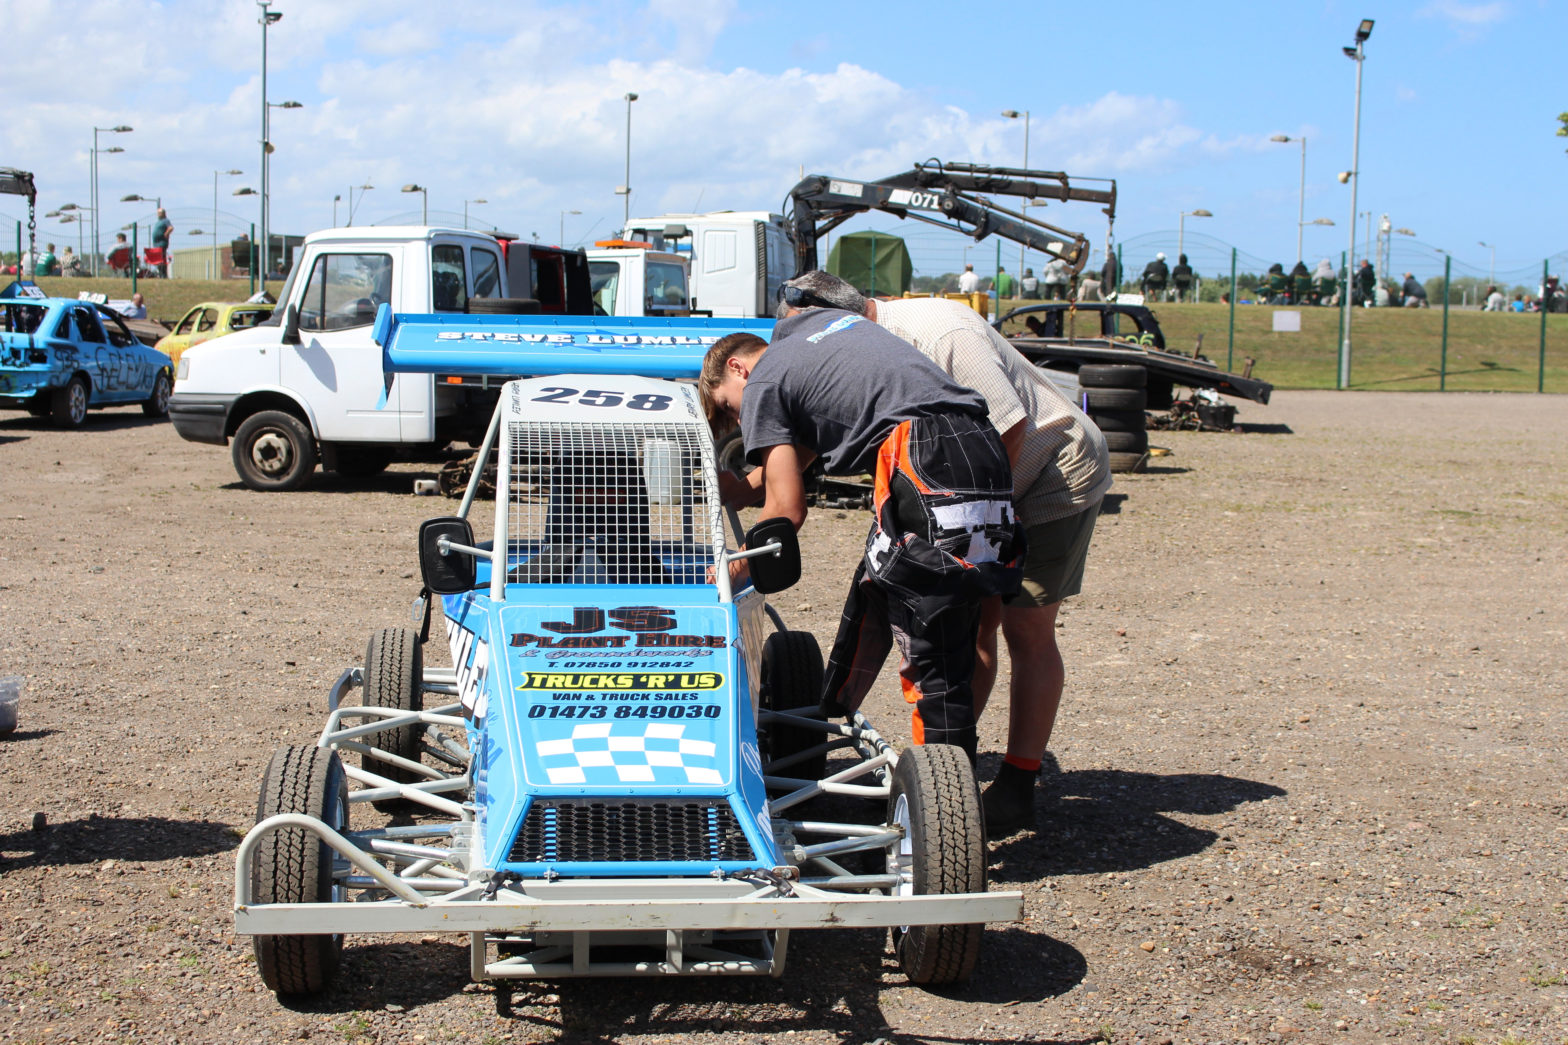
[625, 771]
[60, 357]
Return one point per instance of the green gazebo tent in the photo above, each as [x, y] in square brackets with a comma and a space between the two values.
[875, 262]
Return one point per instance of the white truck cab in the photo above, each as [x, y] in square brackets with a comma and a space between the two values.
[738, 258]
[307, 386]
[632, 279]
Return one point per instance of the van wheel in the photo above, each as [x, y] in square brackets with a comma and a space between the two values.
[274, 451]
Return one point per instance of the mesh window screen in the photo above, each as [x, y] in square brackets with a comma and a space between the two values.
[601, 504]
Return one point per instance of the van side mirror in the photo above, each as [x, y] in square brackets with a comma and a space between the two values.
[781, 569]
[445, 570]
[291, 324]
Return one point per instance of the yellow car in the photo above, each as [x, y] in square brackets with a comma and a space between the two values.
[211, 319]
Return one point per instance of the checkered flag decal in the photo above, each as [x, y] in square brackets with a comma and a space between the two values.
[612, 753]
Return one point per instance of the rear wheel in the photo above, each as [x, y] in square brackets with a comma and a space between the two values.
[792, 679]
[68, 408]
[157, 404]
[294, 866]
[935, 801]
[394, 666]
[274, 451]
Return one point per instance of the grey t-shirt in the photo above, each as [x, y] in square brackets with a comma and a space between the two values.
[838, 384]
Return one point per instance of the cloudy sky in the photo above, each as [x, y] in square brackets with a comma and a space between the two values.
[521, 104]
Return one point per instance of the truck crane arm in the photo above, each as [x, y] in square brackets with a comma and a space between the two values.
[951, 196]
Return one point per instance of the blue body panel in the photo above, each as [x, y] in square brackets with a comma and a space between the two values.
[611, 692]
[35, 362]
[454, 343]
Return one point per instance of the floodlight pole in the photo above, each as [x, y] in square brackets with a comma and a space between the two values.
[1358, 55]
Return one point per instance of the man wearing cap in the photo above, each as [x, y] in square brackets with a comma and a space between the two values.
[942, 538]
[1155, 273]
[1061, 472]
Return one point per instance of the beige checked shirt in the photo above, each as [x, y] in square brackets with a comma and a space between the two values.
[1063, 466]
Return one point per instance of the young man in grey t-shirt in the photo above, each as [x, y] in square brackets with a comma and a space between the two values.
[943, 537]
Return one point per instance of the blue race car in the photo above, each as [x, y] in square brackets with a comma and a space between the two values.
[61, 357]
[611, 779]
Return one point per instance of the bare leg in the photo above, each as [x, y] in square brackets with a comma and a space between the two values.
[985, 652]
[1037, 677]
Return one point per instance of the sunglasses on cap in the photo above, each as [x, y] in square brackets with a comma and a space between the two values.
[800, 297]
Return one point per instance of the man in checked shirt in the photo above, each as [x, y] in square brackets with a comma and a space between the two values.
[1061, 472]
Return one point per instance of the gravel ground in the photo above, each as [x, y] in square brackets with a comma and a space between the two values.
[1308, 780]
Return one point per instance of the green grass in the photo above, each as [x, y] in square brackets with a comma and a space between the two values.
[1391, 349]
[167, 299]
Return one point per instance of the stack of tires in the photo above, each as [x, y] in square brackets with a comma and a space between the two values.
[1115, 397]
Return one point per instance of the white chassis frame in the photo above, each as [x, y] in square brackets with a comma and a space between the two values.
[425, 878]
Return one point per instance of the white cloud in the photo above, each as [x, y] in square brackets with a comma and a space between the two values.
[1466, 15]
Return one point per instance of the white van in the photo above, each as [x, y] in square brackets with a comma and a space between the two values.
[306, 385]
[631, 279]
[738, 258]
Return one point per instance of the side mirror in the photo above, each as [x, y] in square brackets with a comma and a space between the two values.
[446, 572]
[290, 324]
[781, 569]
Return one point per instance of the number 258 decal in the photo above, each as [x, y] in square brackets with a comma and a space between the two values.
[602, 397]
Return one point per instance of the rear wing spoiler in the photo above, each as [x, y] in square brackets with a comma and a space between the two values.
[509, 346]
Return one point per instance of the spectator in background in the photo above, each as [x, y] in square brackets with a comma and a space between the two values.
[1518, 305]
[1181, 278]
[1495, 302]
[1324, 282]
[137, 309]
[70, 264]
[1155, 275]
[1300, 284]
[1004, 284]
[1090, 288]
[46, 264]
[1276, 290]
[162, 229]
[1055, 279]
[1414, 292]
[968, 283]
[1030, 286]
[1110, 275]
[1366, 285]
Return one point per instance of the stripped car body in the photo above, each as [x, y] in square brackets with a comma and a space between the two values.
[616, 768]
[63, 357]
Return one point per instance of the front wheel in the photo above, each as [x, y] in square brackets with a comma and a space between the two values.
[157, 404]
[274, 451]
[394, 668]
[294, 866]
[792, 681]
[69, 406]
[935, 803]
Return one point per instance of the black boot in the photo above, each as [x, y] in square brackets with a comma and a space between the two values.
[1008, 801]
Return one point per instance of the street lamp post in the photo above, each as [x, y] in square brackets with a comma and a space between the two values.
[1181, 227]
[92, 202]
[1356, 54]
[465, 209]
[564, 213]
[351, 204]
[217, 272]
[625, 190]
[266, 160]
[268, 16]
[1013, 114]
[1301, 206]
[1491, 266]
[424, 202]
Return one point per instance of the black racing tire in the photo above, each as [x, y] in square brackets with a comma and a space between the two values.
[394, 667]
[294, 866]
[731, 453]
[1128, 462]
[943, 850]
[1120, 420]
[157, 404]
[1113, 375]
[362, 462]
[1116, 398]
[502, 306]
[68, 405]
[1127, 442]
[274, 450]
[791, 678]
